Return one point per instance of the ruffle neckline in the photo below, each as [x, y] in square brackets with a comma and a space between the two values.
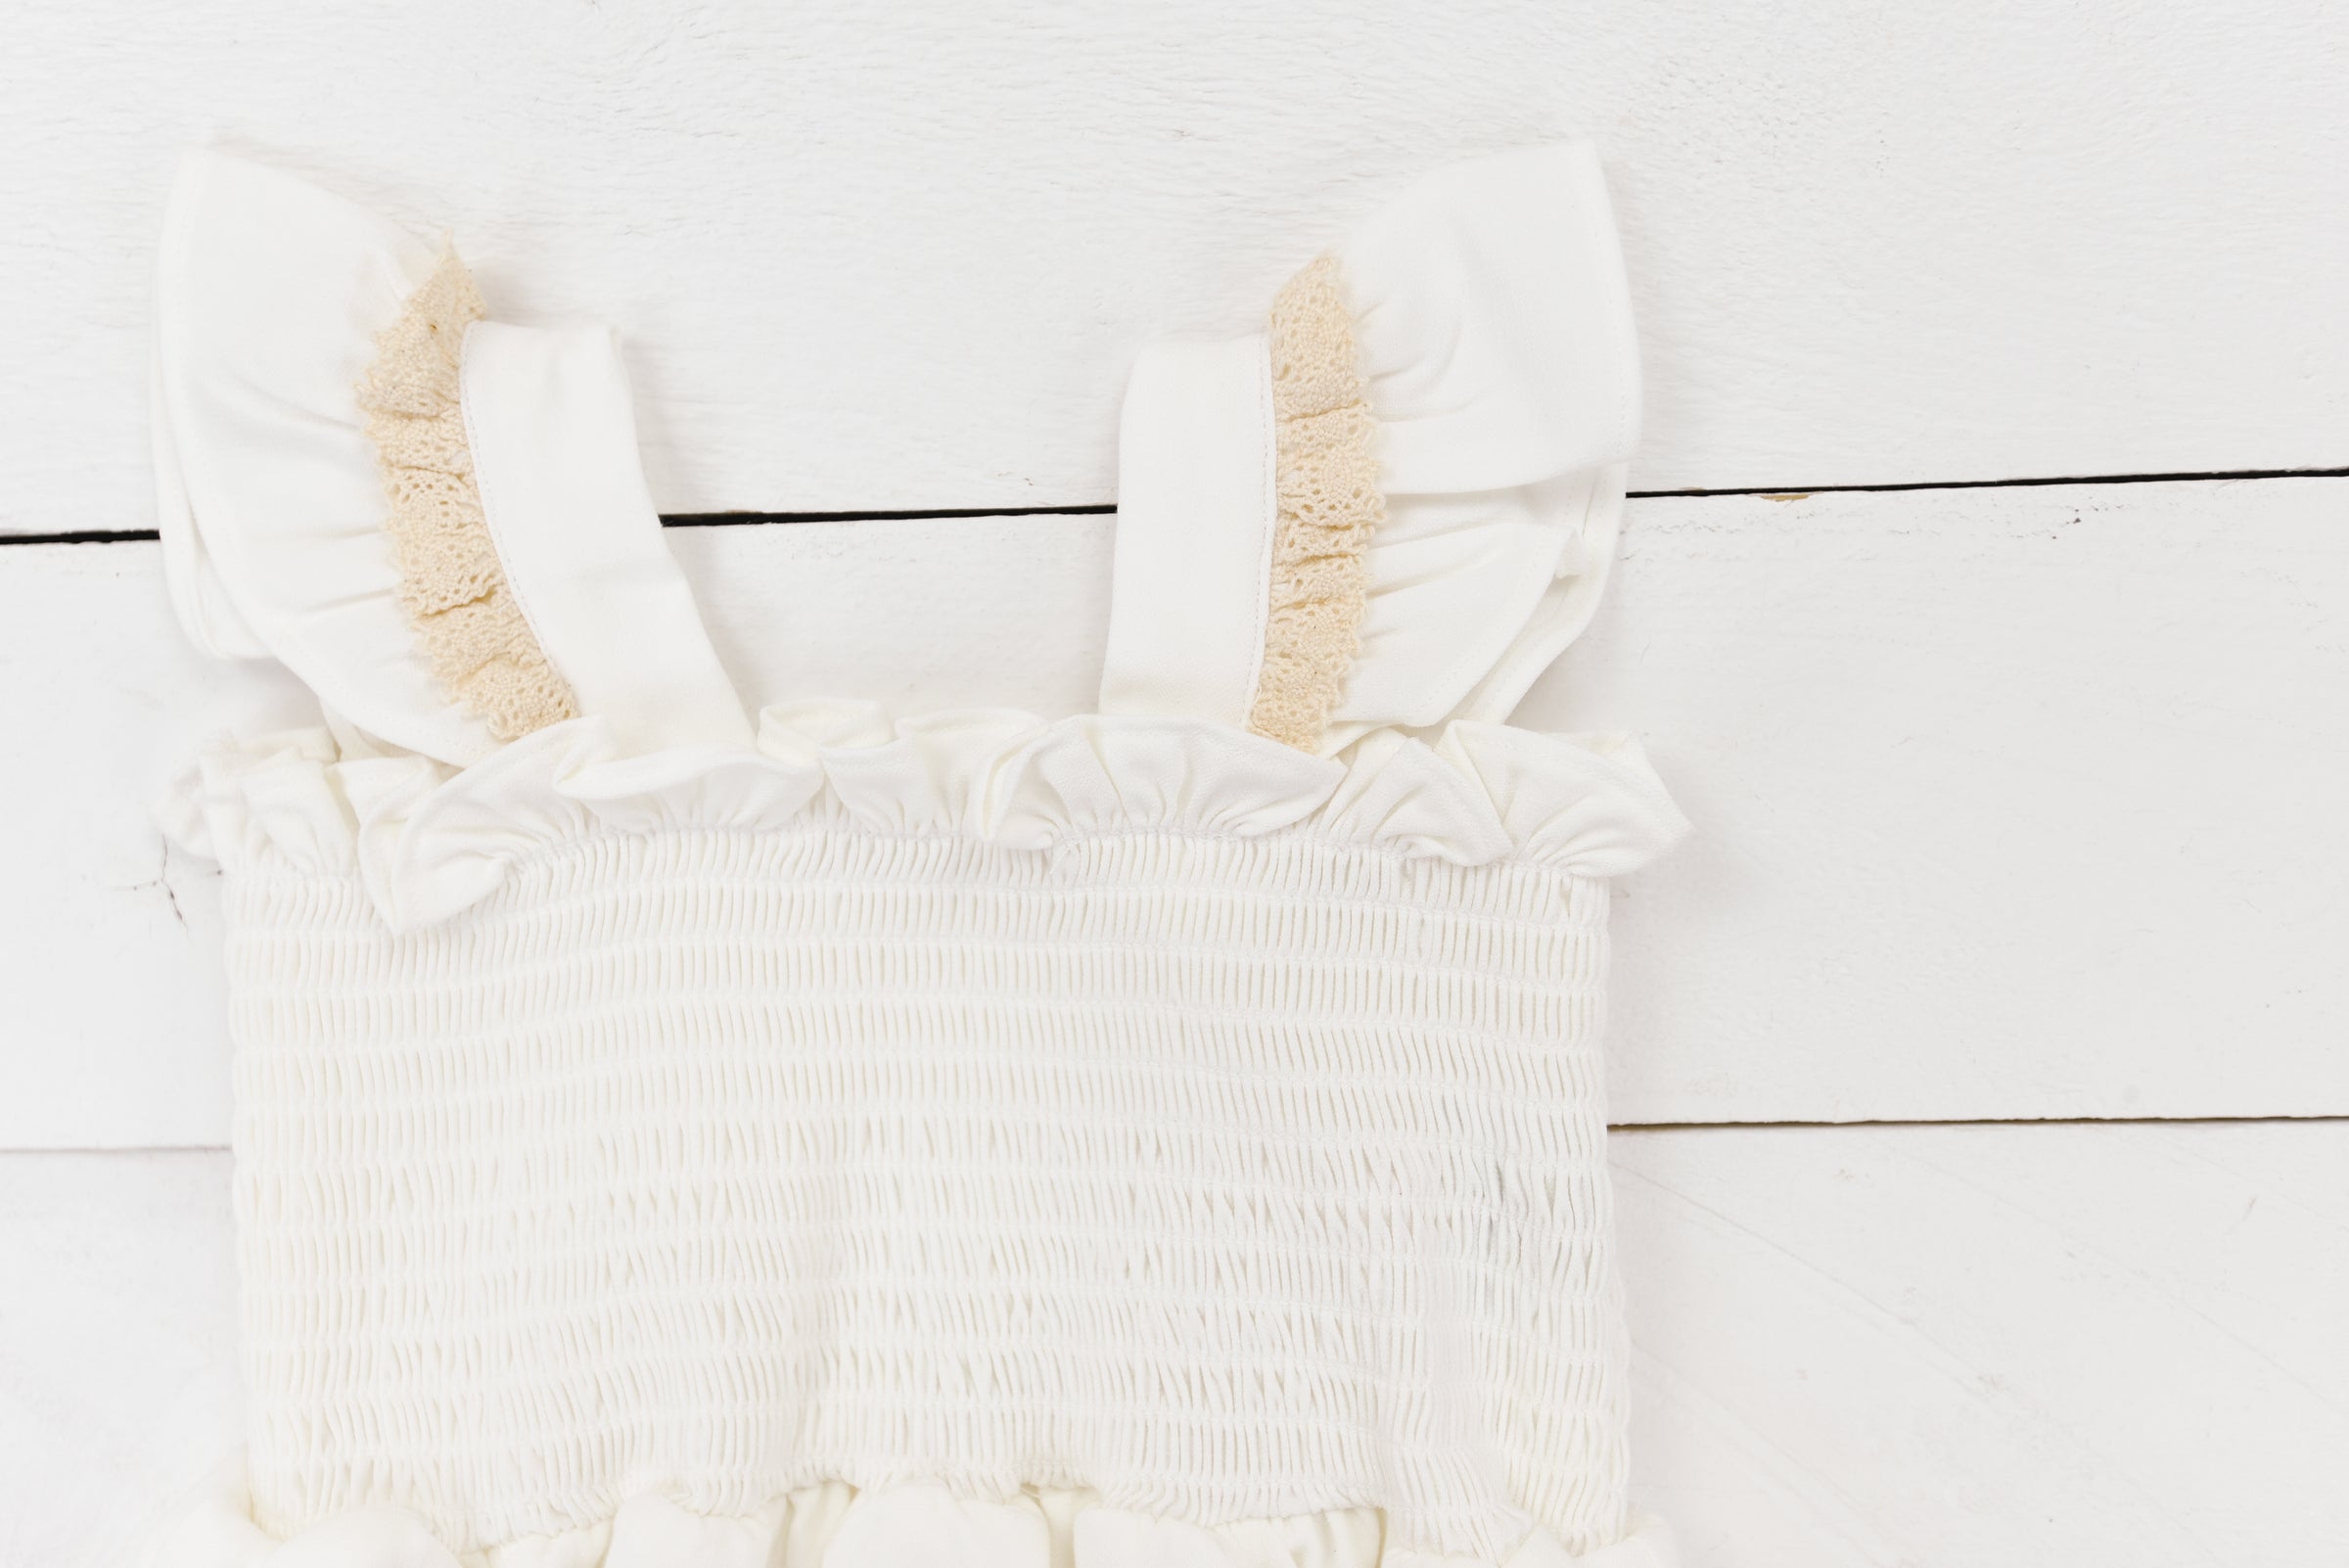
[430, 841]
[834, 1524]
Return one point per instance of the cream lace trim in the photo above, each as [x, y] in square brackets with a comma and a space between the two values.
[1326, 487]
[482, 649]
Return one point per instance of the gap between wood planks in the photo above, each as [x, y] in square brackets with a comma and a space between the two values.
[1789, 492]
[103, 1150]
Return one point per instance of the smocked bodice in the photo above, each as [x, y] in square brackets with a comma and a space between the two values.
[674, 1135]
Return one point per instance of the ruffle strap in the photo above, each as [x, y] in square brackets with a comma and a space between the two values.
[435, 520]
[1471, 347]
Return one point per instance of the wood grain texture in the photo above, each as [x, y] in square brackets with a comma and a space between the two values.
[2099, 1345]
[1939, 1347]
[109, 944]
[866, 267]
[2011, 803]
[118, 1389]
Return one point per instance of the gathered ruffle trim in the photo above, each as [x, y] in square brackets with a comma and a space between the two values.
[834, 1525]
[431, 841]
[482, 648]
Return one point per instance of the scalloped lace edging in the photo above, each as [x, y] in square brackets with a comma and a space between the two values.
[835, 1525]
[1327, 495]
[482, 649]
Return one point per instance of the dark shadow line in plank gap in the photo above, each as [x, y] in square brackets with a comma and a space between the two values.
[725, 520]
[84, 536]
[708, 519]
[1794, 492]
[86, 1151]
[675, 520]
[728, 520]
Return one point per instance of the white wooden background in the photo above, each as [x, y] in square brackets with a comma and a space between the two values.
[2021, 806]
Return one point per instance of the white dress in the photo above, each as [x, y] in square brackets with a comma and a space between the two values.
[671, 1136]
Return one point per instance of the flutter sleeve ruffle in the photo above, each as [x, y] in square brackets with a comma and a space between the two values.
[1344, 546]
[435, 519]
[1396, 505]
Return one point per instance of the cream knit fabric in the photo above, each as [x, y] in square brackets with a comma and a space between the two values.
[1226, 1178]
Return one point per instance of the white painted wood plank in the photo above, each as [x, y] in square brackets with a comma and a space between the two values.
[109, 946]
[2009, 804]
[119, 1388]
[1991, 1344]
[917, 616]
[865, 265]
[1941, 1347]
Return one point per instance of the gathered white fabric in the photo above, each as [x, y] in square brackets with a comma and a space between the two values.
[1493, 333]
[834, 1525]
[427, 841]
[274, 519]
[1229, 1176]
[670, 1140]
